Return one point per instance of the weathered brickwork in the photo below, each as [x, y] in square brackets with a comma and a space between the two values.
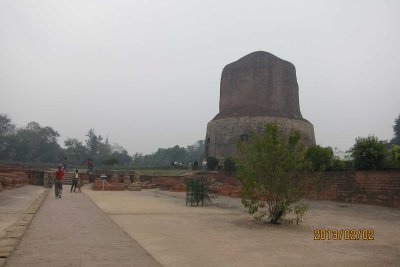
[365, 187]
[111, 185]
[258, 88]
[368, 187]
[167, 183]
[12, 176]
[222, 183]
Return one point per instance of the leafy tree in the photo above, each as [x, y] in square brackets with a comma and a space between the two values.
[164, 156]
[195, 151]
[396, 129]
[92, 143]
[110, 161]
[368, 153]
[138, 160]
[6, 127]
[8, 147]
[320, 157]
[122, 157]
[271, 169]
[37, 144]
[7, 138]
[76, 152]
[338, 164]
[212, 163]
[395, 153]
[105, 153]
[229, 164]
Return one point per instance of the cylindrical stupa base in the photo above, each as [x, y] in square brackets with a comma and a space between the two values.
[223, 134]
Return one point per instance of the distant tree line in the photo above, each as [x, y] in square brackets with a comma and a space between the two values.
[39, 145]
[368, 153]
[166, 157]
[36, 144]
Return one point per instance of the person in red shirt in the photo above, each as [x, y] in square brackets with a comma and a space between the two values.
[90, 166]
[58, 181]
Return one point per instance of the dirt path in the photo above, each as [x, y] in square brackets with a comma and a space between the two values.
[224, 235]
[73, 231]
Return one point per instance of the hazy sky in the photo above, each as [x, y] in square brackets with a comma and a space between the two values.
[146, 73]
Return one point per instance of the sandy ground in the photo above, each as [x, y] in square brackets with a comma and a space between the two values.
[13, 203]
[223, 234]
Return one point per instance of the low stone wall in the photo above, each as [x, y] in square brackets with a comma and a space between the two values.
[13, 179]
[12, 176]
[365, 187]
[111, 185]
[102, 185]
[167, 183]
[36, 177]
[222, 183]
[225, 177]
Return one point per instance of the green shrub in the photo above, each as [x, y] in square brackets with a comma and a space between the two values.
[212, 163]
[229, 164]
[320, 157]
[368, 153]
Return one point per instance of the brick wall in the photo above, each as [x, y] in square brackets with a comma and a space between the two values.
[366, 187]
[168, 183]
[223, 183]
[36, 177]
[224, 177]
[13, 175]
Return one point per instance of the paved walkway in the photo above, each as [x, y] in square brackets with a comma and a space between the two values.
[73, 231]
[224, 235]
[13, 202]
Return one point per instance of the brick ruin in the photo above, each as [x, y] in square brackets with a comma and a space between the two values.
[112, 184]
[14, 176]
[365, 187]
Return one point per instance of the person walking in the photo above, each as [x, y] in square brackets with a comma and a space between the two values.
[79, 183]
[90, 166]
[58, 181]
[75, 179]
[204, 164]
[65, 164]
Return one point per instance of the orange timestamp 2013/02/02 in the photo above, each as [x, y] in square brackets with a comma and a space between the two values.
[344, 234]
